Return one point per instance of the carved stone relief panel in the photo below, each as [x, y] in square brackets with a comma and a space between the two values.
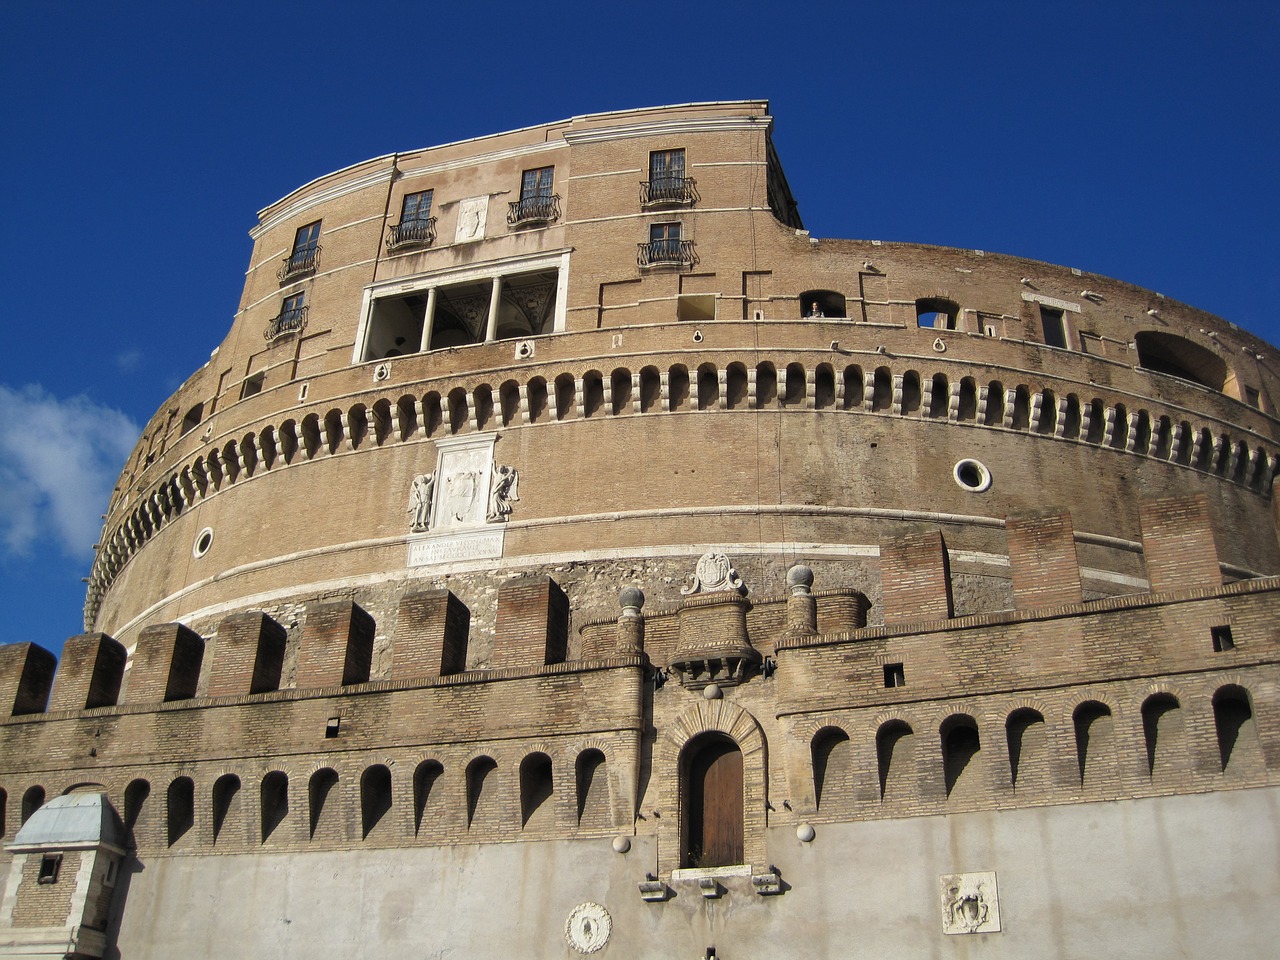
[473, 214]
[969, 903]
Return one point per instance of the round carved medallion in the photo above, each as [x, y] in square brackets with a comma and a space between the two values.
[587, 927]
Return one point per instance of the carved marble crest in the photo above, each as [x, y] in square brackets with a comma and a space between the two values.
[458, 511]
[969, 903]
[473, 214]
[714, 572]
[588, 927]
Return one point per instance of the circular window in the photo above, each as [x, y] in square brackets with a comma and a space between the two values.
[972, 476]
[203, 542]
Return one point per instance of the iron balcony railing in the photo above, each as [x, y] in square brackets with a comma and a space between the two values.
[291, 320]
[534, 210]
[666, 251]
[412, 233]
[299, 263]
[668, 190]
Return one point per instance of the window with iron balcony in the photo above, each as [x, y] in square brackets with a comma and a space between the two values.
[537, 204]
[416, 227]
[291, 319]
[305, 257]
[665, 246]
[667, 183]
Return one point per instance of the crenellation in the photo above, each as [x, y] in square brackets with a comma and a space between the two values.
[90, 674]
[26, 677]
[165, 665]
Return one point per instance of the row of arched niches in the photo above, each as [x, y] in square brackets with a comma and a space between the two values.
[1171, 436]
[1114, 743]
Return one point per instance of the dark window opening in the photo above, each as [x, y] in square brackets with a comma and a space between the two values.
[478, 797]
[181, 808]
[252, 385]
[50, 865]
[894, 675]
[937, 313]
[331, 727]
[1251, 396]
[192, 419]
[960, 747]
[1054, 327]
[817, 304]
[375, 798]
[1222, 639]
[536, 787]
[713, 785]
[1178, 357]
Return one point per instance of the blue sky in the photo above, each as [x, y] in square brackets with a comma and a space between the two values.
[1138, 140]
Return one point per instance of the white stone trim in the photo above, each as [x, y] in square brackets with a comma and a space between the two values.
[1051, 302]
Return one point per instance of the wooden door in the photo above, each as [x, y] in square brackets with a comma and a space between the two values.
[715, 806]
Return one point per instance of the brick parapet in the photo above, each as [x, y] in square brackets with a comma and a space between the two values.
[915, 578]
[532, 623]
[1043, 561]
[166, 664]
[90, 674]
[337, 645]
[248, 655]
[1178, 543]
[26, 677]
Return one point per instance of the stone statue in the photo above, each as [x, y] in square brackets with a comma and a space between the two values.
[420, 497]
[505, 481]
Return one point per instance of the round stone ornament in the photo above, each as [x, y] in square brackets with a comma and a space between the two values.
[588, 927]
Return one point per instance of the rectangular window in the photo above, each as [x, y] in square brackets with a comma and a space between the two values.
[1222, 639]
[1054, 327]
[416, 206]
[666, 166]
[50, 864]
[305, 256]
[1251, 396]
[252, 385]
[536, 183]
[894, 675]
[306, 240]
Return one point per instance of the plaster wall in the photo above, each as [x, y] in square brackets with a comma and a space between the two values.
[1190, 876]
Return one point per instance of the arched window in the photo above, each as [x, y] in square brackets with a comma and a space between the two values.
[678, 387]
[1237, 731]
[509, 402]
[832, 767]
[824, 387]
[1178, 357]
[712, 780]
[650, 389]
[482, 404]
[274, 802]
[1028, 762]
[323, 815]
[375, 798]
[882, 389]
[424, 781]
[910, 393]
[593, 393]
[1094, 729]
[458, 411]
[939, 396]
[736, 387]
[593, 789]
[480, 787]
[854, 386]
[937, 313]
[566, 394]
[968, 407]
[993, 413]
[1164, 733]
[894, 759]
[960, 749]
[226, 803]
[32, 801]
[794, 388]
[620, 384]
[708, 388]
[135, 799]
[538, 407]
[181, 808]
[822, 303]
[536, 788]
[766, 385]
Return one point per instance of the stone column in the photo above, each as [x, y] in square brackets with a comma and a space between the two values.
[428, 320]
[491, 331]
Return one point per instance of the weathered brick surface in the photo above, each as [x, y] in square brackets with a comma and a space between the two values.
[90, 673]
[431, 635]
[26, 676]
[166, 664]
[249, 655]
[1042, 557]
[1178, 543]
[916, 583]
[337, 646]
[532, 623]
[45, 904]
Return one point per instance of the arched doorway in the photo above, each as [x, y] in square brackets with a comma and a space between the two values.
[713, 834]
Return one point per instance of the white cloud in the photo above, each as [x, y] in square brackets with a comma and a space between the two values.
[58, 462]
